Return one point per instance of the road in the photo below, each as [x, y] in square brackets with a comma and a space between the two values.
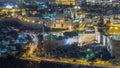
[51, 60]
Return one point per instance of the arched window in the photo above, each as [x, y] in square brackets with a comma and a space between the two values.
[62, 25]
[54, 25]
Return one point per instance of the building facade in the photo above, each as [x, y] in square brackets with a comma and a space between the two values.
[101, 1]
[66, 2]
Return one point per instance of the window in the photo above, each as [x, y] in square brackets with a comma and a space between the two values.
[62, 25]
[54, 25]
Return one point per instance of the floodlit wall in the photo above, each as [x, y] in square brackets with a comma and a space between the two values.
[65, 2]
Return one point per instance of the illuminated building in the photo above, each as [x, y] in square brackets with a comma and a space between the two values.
[66, 2]
[100, 1]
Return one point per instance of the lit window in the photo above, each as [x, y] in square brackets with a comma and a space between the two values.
[116, 28]
[111, 27]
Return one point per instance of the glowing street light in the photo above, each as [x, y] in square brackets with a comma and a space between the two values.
[33, 21]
